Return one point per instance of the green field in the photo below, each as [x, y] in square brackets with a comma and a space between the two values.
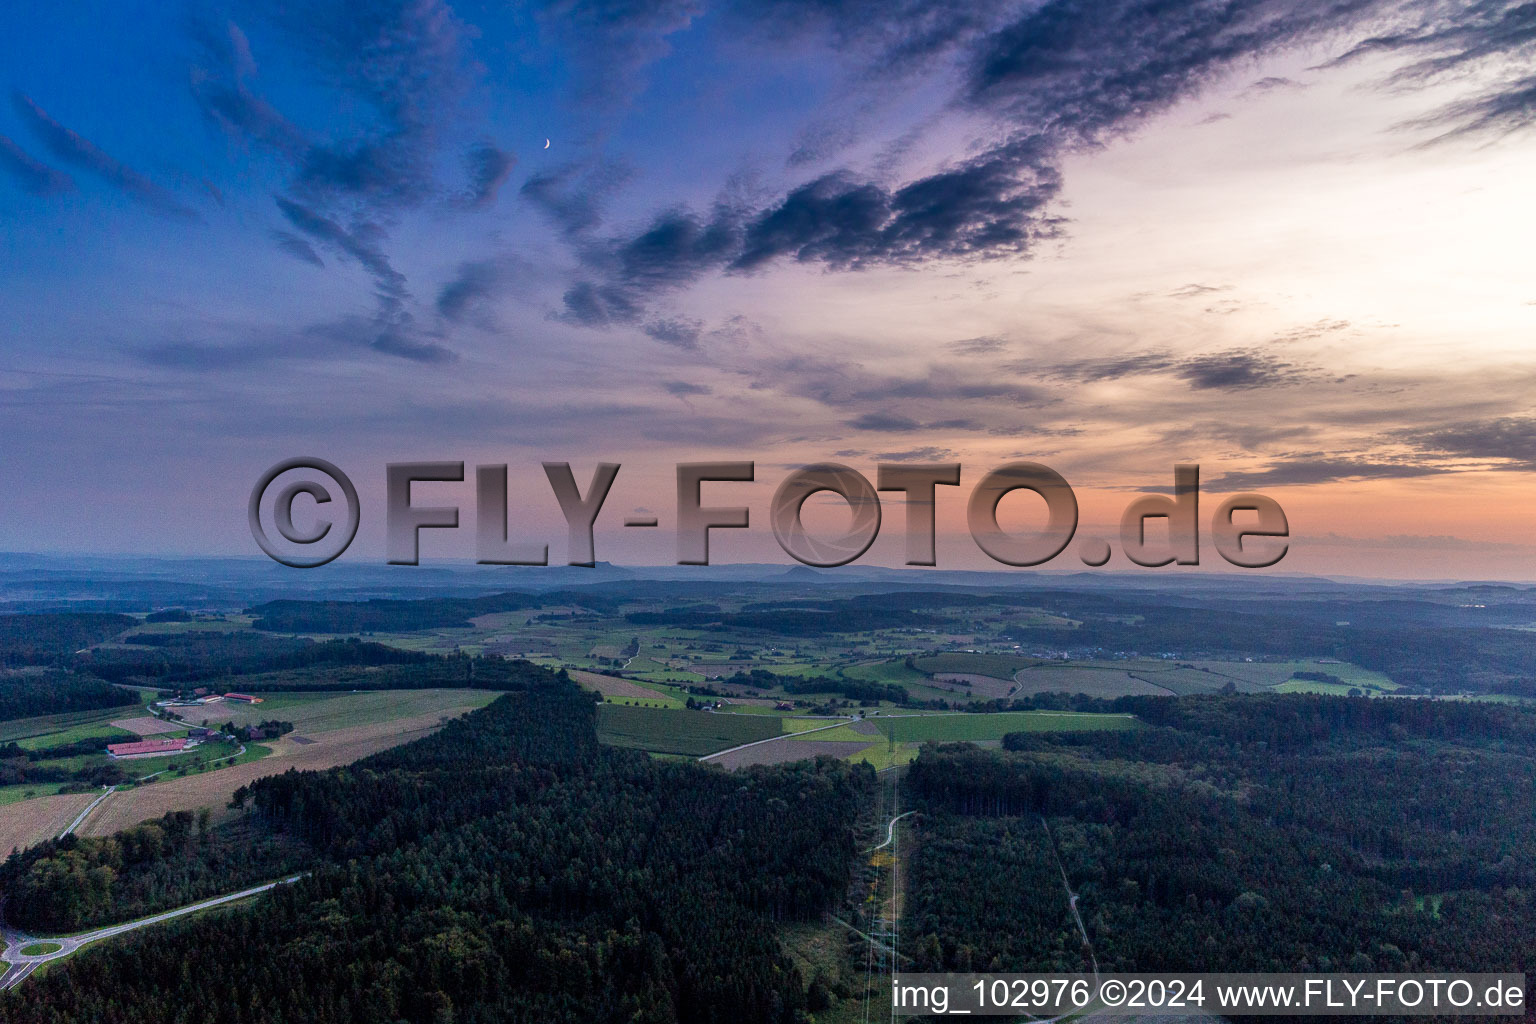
[322, 712]
[27, 790]
[1087, 679]
[957, 727]
[44, 725]
[887, 672]
[40, 948]
[101, 731]
[670, 731]
[998, 666]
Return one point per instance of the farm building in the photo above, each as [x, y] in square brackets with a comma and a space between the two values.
[147, 748]
[244, 698]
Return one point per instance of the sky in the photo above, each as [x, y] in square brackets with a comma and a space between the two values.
[1288, 240]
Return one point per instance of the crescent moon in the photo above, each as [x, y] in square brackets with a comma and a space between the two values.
[546, 143]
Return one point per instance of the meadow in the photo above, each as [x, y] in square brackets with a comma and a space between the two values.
[694, 733]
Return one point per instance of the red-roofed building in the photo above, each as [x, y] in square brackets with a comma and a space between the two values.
[147, 748]
[247, 698]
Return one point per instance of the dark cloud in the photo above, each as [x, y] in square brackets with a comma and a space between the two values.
[885, 421]
[1190, 291]
[32, 175]
[675, 249]
[392, 335]
[593, 305]
[1052, 79]
[573, 195]
[984, 207]
[893, 37]
[219, 82]
[473, 283]
[360, 243]
[985, 346]
[488, 169]
[611, 42]
[80, 152]
[1233, 370]
[1492, 41]
[1509, 439]
[1091, 371]
[330, 340]
[392, 329]
[925, 454]
[1316, 471]
[882, 402]
[400, 67]
[1083, 70]
[404, 59]
[1240, 371]
[1312, 331]
[989, 206]
[680, 331]
[683, 389]
[1272, 83]
[296, 247]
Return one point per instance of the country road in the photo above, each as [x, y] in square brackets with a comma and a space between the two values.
[775, 739]
[80, 818]
[19, 965]
[890, 832]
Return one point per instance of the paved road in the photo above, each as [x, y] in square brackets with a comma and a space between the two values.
[80, 819]
[890, 832]
[18, 965]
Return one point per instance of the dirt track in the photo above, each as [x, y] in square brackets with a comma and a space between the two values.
[786, 750]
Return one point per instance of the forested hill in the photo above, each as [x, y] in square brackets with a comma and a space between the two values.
[28, 692]
[1240, 833]
[506, 868]
[53, 638]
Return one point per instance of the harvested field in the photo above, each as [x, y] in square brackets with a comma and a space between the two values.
[1187, 680]
[722, 670]
[145, 725]
[313, 714]
[1095, 682]
[611, 686]
[786, 750]
[28, 822]
[980, 685]
[212, 789]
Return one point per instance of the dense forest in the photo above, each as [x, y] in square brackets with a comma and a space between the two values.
[53, 638]
[506, 868]
[65, 885]
[25, 693]
[853, 689]
[167, 659]
[386, 616]
[260, 661]
[1237, 834]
